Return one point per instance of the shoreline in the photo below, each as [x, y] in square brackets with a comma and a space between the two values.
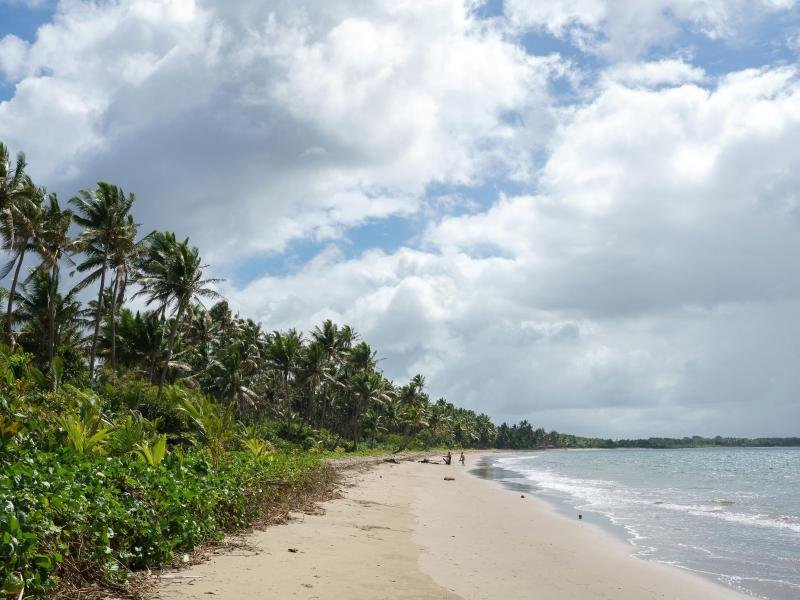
[402, 531]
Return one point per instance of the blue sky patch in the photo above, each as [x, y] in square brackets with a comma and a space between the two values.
[22, 21]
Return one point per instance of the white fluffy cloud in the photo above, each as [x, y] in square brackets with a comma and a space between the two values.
[626, 28]
[310, 117]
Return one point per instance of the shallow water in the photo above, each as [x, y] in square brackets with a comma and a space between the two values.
[732, 514]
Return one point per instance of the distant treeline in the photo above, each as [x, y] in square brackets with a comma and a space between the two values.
[523, 436]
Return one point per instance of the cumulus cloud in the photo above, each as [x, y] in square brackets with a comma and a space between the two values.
[13, 55]
[311, 118]
[644, 283]
[668, 71]
[628, 28]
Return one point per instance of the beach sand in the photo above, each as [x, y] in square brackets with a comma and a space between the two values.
[402, 531]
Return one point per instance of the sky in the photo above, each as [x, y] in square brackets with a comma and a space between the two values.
[584, 213]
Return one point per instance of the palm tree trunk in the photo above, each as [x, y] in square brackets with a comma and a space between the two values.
[287, 400]
[152, 371]
[307, 407]
[97, 318]
[172, 334]
[356, 411]
[156, 347]
[114, 326]
[51, 316]
[11, 292]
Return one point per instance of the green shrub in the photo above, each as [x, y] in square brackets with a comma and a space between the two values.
[129, 393]
[106, 516]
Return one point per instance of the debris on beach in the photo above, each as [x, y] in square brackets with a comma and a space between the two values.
[449, 478]
[293, 550]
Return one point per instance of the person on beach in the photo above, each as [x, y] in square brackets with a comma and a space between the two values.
[447, 459]
[462, 460]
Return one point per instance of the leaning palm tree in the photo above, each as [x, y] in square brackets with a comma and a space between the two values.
[107, 225]
[26, 228]
[172, 277]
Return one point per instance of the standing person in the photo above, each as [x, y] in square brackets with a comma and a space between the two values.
[461, 459]
[448, 459]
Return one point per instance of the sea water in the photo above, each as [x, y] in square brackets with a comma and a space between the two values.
[732, 514]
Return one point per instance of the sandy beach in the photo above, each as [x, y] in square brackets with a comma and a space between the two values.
[402, 531]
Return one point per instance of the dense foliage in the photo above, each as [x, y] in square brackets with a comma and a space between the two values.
[91, 489]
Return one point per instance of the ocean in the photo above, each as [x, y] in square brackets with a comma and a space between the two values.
[731, 514]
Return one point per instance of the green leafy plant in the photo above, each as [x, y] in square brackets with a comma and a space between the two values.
[84, 436]
[258, 447]
[214, 426]
[153, 454]
[131, 430]
[9, 428]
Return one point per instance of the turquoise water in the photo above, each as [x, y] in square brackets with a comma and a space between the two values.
[732, 514]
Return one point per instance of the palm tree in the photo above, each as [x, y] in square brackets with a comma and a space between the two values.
[283, 354]
[313, 371]
[172, 276]
[14, 183]
[232, 369]
[53, 245]
[42, 312]
[368, 388]
[372, 421]
[156, 252]
[224, 321]
[108, 230]
[122, 261]
[362, 358]
[136, 336]
[200, 339]
[28, 217]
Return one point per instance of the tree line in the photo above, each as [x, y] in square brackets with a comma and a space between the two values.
[523, 436]
[326, 383]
